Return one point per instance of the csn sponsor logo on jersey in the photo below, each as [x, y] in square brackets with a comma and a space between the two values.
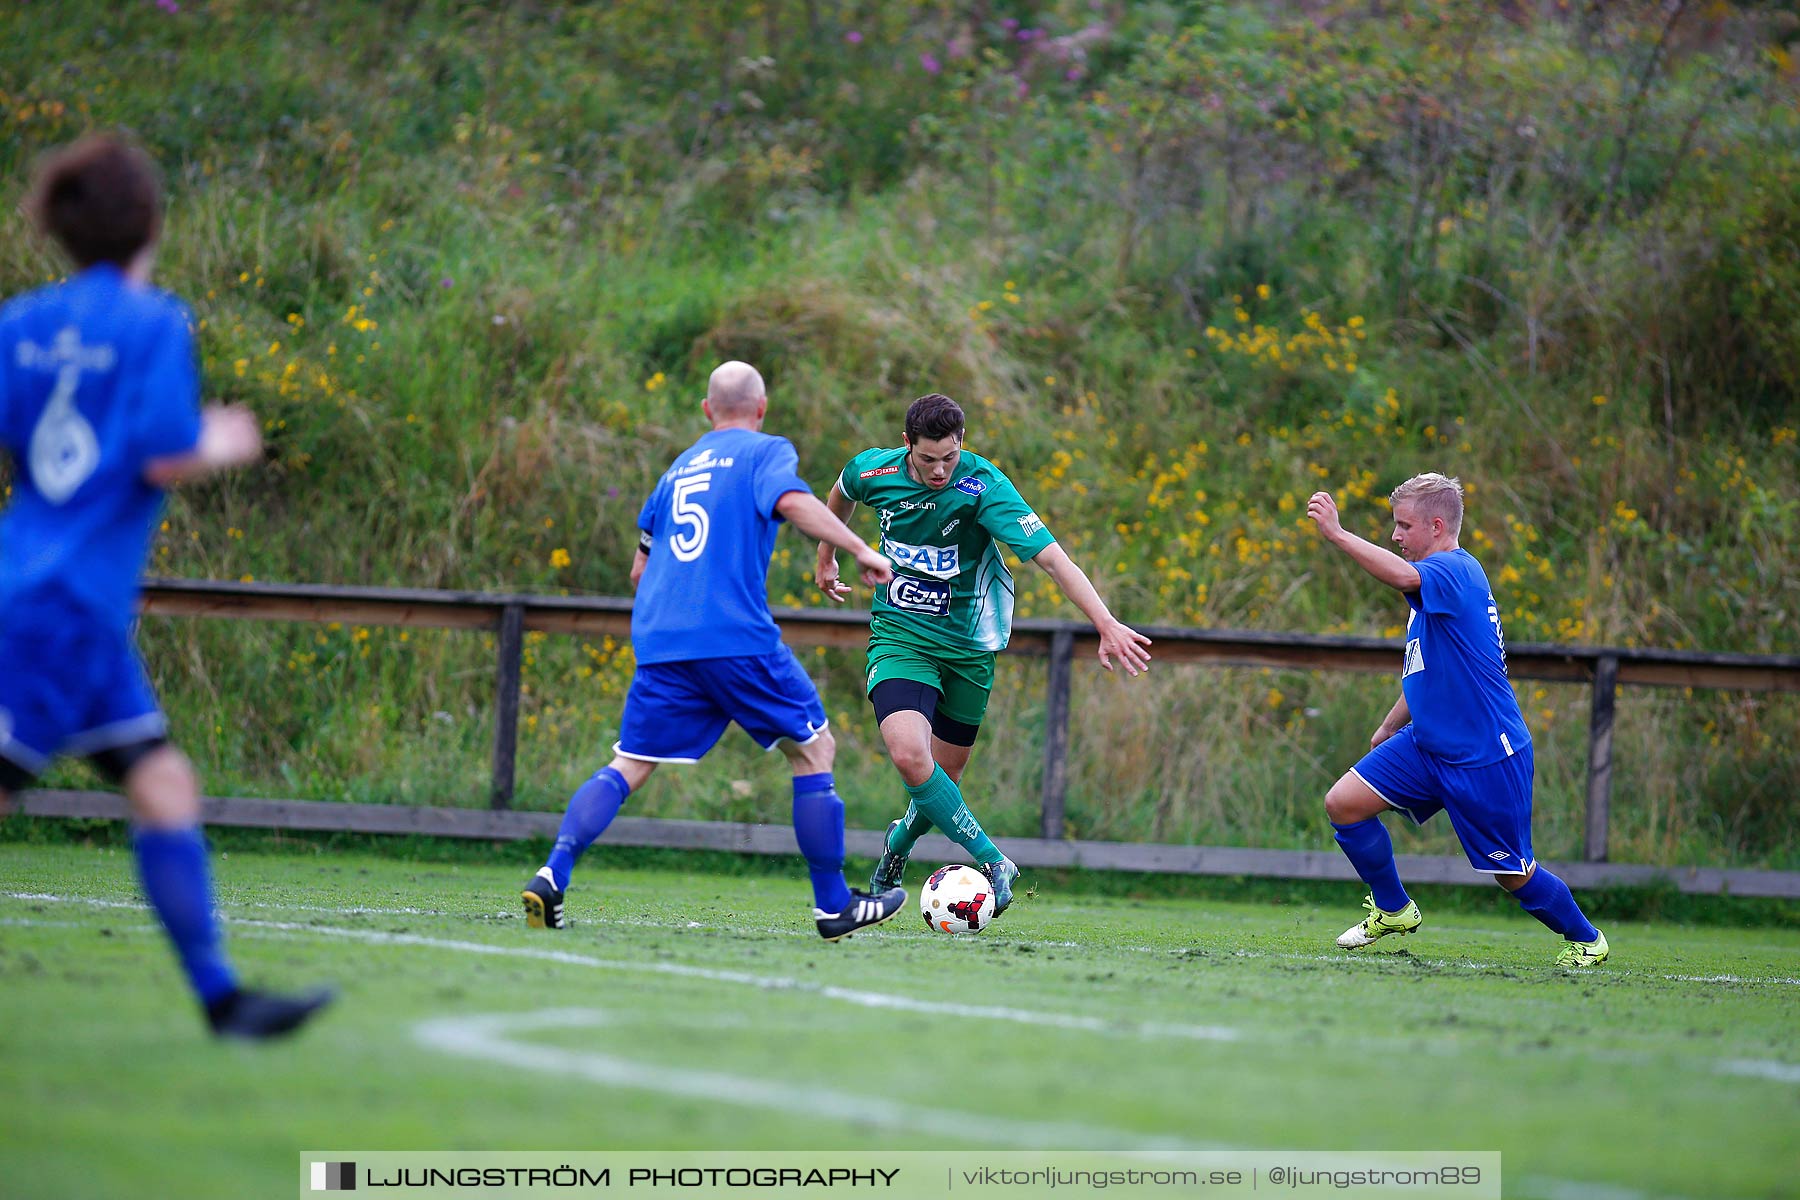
[919, 595]
[970, 485]
[940, 562]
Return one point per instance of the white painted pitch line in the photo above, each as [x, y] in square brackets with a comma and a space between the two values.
[470, 1038]
[494, 1038]
[491, 1038]
[1761, 1068]
[1376, 958]
[1543, 1187]
[1780, 1072]
[773, 983]
[1770, 1069]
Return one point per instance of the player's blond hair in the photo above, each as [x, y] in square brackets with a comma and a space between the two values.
[1435, 496]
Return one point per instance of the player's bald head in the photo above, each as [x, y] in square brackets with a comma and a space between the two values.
[735, 390]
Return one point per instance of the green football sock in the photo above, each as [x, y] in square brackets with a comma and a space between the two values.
[941, 802]
[913, 826]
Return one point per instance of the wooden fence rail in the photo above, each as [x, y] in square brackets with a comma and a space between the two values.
[510, 617]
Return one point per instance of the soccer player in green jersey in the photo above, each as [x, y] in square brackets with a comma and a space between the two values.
[936, 627]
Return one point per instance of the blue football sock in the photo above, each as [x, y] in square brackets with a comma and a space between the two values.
[913, 826]
[941, 801]
[819, 829]
[1548, 899]
[178, 883]
[1367, 845]
[591, 809]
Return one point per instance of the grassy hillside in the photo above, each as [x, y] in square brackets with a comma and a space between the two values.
[1183, 264]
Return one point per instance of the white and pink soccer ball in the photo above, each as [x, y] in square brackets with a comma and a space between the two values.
[957, 899]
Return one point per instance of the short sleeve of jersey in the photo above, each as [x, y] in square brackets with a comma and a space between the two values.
[777, 474]
[168, 408]
[647, 514]
[850, 480]
[1441, 578]
[1007, 518]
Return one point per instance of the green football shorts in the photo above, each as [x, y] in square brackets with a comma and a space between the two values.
[962, 677]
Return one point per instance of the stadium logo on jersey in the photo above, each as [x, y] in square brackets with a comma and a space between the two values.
[1415, 659]
[879, 471]
[927, 596]
[940, 562]
[1030, 524]
[970, 485]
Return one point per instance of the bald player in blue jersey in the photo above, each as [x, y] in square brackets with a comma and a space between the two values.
[1455, 740]
[709, 654]
[99, 413]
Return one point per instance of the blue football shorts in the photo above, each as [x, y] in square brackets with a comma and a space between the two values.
[676, 711]
[71, 686]
[1489, 806]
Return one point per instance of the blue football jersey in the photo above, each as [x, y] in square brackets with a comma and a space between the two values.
[97, 377]
[712, 521]
[1464, 713]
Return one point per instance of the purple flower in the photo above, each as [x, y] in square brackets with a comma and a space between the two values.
[612, 493]
[1072, 74]
[929, 61]
[168, 6]
[1010, 24]
[854, 37]
[446, 281]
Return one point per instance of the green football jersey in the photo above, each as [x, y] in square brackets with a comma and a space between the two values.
[950, 582]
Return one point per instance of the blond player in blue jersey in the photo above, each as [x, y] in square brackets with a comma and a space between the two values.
[1455, 741]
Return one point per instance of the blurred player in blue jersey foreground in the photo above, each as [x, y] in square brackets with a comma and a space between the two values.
[1455, 739]
[99, 412]
[708, 652]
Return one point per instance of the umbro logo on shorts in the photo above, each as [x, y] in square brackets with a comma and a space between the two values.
[1499, 856]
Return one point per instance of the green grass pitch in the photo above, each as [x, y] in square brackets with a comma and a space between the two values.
[700, 1011]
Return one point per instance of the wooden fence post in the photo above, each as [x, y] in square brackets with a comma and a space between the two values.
[509, 649]
[1599, 778]
[1056, 733]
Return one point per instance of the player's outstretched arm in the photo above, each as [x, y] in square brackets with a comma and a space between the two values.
[825, 572]
[1384, 565]
[1393, 723]
[803, 511]
[1117, 639]
[229, 437]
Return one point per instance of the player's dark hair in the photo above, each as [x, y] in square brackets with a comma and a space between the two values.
[99, 198]
[934, 416]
